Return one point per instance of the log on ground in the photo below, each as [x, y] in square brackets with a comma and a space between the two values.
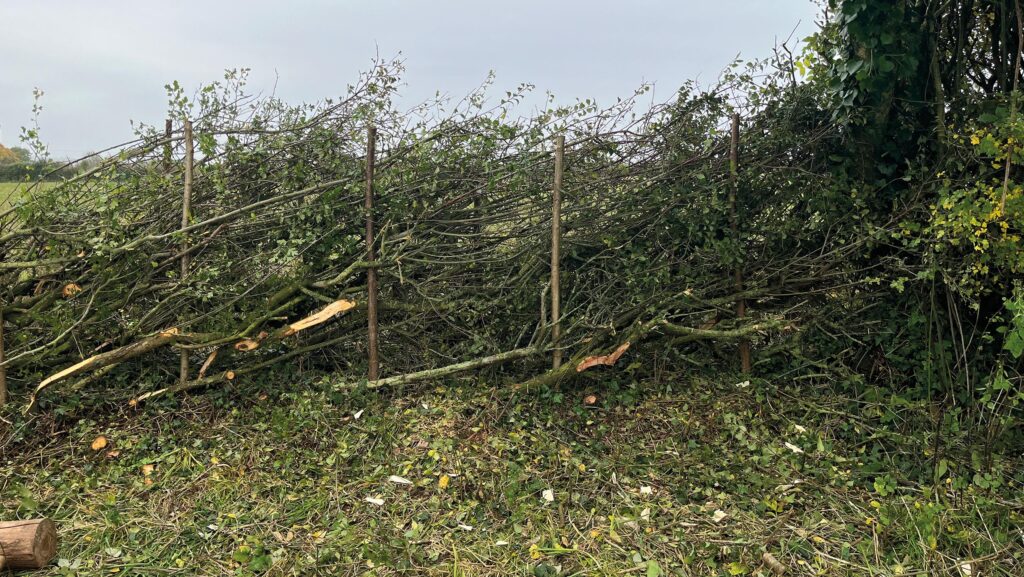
[29, 544]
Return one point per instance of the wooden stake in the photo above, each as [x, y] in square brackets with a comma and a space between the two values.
[167, 147]
[371, 256]
[186, 216]
[556, 247]
[741, 305]
[3, 369]
[29, 544]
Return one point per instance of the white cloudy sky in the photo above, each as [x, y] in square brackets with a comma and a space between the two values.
[102, 63]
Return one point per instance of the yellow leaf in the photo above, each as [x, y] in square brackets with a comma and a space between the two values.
[99, 443]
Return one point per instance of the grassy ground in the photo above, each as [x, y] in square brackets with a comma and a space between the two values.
[700, 480]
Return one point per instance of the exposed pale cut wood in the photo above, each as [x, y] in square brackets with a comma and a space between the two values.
[606, 360]
[246, 345]
[323, 315]
[206, 364]
[29, 544]
[104, 359]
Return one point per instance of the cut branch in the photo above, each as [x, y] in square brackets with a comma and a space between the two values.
[108, 358]
[448, 370]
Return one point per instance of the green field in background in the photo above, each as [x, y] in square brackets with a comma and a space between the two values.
[10, 191]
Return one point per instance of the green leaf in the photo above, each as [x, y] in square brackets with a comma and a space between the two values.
[1015, 344]
[737, 568]
[653, 569]
[261, 563]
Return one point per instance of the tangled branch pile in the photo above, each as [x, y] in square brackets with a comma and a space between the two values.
[464, 213]
[869, 234]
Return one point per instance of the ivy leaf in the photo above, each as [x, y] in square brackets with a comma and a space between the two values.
[1015, 344]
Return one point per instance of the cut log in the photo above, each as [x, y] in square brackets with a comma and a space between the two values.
[29, 544]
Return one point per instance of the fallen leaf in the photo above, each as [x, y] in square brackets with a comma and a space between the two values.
[399, 480]
[374, 501]
[548, 495]
[645, 490]
[358, 414]
[148, 469]
[284, 537]
[465, 527]
[590, 400]
[607, 360]
[70, 290]
[500, 543]
[113, 454]
[99, 443]
[793, 447]
[719, 515]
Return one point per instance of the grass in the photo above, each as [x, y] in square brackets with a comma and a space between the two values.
[8, 193]
[11, 191]
[693, 479]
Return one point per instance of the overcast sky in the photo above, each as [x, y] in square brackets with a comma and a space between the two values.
[102, 63]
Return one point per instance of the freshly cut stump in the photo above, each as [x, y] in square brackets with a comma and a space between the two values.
[29, 544]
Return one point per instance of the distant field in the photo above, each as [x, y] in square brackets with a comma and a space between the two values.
[9, 191]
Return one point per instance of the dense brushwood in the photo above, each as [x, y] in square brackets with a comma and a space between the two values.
[463, 210]
[739, 223]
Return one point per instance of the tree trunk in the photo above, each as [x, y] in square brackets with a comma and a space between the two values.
[27, 544]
